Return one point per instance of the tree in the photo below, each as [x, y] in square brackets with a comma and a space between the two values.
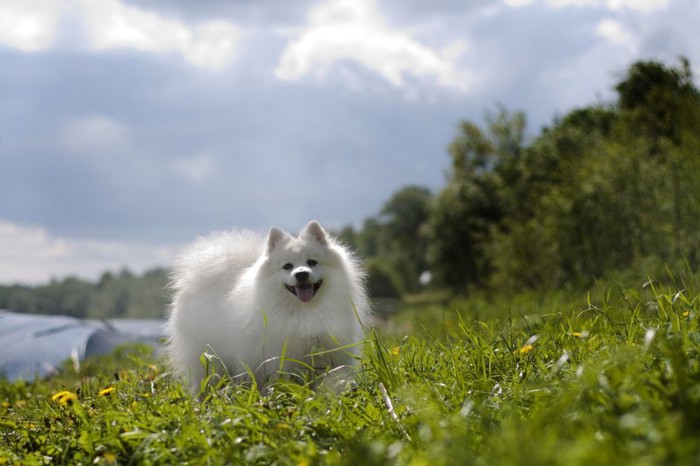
[658, 101]
[607, 186]
[484, 163]
[458, 230]
[662, 105]
[603, 188]
[348, 236]
[403, 218]
[529, 248]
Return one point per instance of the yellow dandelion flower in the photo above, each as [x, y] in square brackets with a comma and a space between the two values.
[67, 399]
[577, 334]
[64, 397]
[524, 350]
[105, 391]
[686, 314]
[58, 395]
[110, 458]
[395, 350]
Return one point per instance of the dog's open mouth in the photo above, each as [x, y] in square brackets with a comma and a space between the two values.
[305, 292]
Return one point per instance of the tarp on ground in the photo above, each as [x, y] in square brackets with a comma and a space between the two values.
[35, 346]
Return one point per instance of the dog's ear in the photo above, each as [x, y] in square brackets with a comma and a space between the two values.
[274, 238]
[316, 231]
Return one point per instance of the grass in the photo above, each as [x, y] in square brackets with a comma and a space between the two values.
[609, 379]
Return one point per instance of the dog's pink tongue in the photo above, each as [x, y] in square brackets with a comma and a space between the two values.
[304, 293]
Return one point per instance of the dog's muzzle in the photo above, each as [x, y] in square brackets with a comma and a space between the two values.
[303, 290]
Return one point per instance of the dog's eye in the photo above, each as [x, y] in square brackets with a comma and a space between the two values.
[311, 262]
[288, 266]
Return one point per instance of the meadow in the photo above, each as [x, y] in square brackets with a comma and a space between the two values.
[611, 376]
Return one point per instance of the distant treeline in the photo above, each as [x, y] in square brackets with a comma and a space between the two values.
[122, 295]
[606, 188]
[609, 187]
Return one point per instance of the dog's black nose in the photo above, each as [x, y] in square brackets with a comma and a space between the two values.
[301, 276]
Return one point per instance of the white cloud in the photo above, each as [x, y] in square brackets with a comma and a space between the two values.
[644, 6]
[32, 25]
[196, 168]
[29, 25]
[30, 254]
[518, 3]
[94, 135]
[616, 33]
[354, 30]
[111, 24]
[214, 46]
[565, 3]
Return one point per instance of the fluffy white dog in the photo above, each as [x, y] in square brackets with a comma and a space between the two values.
[265, 307]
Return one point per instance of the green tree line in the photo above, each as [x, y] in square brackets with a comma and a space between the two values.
[604, 188]
[122, 295]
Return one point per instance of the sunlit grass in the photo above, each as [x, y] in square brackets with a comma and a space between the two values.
[612, 378]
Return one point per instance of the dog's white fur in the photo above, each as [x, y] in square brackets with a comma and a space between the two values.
[235, 296]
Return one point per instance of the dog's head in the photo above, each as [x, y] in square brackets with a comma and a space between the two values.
[300, 263]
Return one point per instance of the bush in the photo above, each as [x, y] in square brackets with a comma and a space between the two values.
[383, 280]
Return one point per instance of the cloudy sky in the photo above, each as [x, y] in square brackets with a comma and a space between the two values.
[127, 128]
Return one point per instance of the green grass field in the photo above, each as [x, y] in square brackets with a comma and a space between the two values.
[612, 378]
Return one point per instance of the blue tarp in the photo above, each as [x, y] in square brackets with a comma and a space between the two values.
[34, 346]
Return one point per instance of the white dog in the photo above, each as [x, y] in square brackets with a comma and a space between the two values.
[265, 308]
